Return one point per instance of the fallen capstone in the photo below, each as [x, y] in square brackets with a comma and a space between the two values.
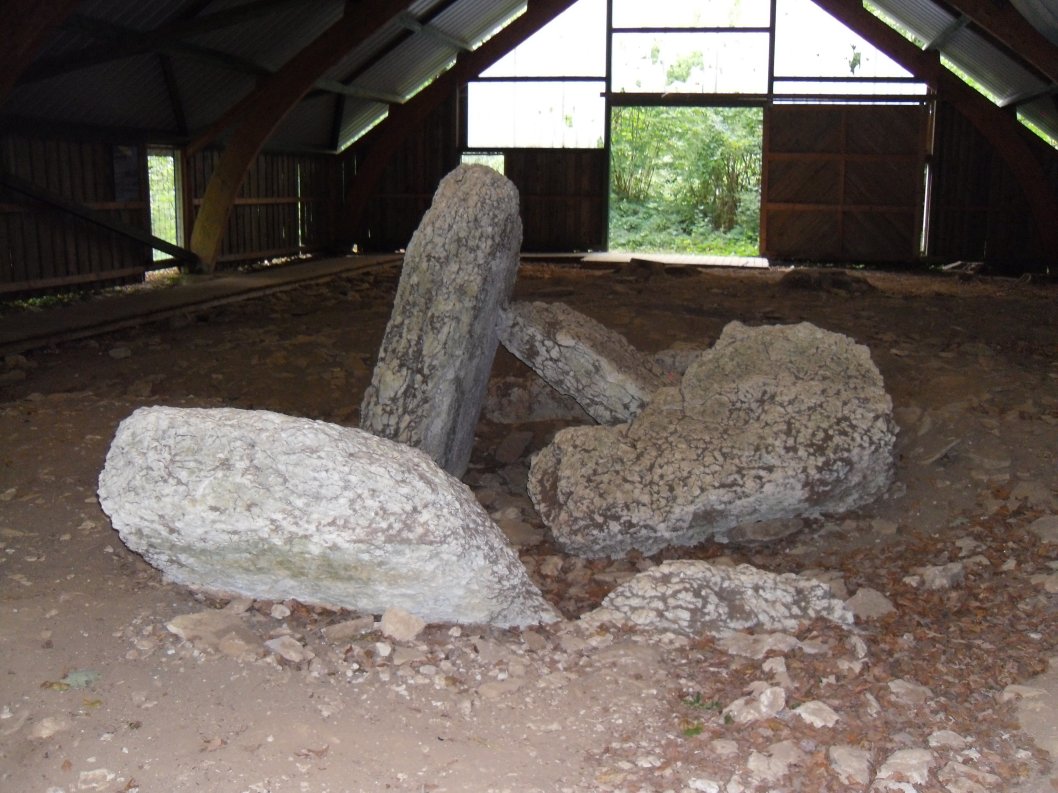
[581, 358]
[267, 506]
[692, 598]
[770, 424]
[433, 366]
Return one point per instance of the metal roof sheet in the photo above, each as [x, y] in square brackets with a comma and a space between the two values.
[997, 72]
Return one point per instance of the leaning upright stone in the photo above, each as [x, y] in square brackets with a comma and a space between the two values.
[583, 359]
[429, 383]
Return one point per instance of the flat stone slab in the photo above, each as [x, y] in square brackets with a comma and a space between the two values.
[272, 507]
[582, 358]
[693, 597]
[770, 424]
[433, 366]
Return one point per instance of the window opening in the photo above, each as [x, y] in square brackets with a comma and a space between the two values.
[164, 194]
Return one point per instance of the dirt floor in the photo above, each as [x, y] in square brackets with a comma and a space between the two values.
[97, 691]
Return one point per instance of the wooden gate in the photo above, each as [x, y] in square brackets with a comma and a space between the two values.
[843, 183]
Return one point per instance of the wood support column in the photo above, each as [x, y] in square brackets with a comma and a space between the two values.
[382, 142]
[261, 112]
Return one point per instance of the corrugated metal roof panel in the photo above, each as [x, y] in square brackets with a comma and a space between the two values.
[924, 19]
[1042, 14]
[208, 90]
[474, 20]
[1043, 113]
[405, 70]
[307, 125]
[359, 117]
[988, 65]
[274, 39]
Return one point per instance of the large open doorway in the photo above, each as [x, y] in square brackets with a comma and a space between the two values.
[685, 180]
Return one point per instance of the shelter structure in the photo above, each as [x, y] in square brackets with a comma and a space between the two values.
[302, 127]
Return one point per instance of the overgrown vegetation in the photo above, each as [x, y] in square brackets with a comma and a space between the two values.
[161, 171]
[686, 180]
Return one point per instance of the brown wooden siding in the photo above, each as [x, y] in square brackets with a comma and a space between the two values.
[282, 197]
[843, 183]
[42, 247]
[978, 211]
[563, 197]
[407, 185]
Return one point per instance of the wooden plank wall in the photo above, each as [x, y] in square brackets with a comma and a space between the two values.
[42, 247]
[978, 212]
[563, 191]
[843, 182]
[407, 185]
[563, 198]
[269, 209]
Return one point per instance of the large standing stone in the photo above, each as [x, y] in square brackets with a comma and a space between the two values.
[771, 423]
[581, 358]
[433, 366]
[269, 506]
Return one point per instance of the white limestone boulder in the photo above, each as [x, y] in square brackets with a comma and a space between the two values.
[433, 367]
[267, 506]
[770, 424]
[582, 358]
[692, 598]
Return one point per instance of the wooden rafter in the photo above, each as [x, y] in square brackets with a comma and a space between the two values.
[266, 107]
[1000, 129]
[26, 26]
[382, 142]
[123, 43]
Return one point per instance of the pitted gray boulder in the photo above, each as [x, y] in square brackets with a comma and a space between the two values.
[692, 597]
[581, 358]
[268, 506]
[433, 366]
[771, 423]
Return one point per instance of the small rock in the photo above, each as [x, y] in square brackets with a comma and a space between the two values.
[869, 604]
[1015, 691]
[908, 693]
[960, 778]
[494, 689]
[49, 726]
[400, 625]
[774, 764]
[851, 764]
[383, 650]
[349, 629]
[406, 655]
[238, 606]
[723, 747]
[96, 779]
[943, 576]
[832, 578]
[818, 714]
[119, 352]
[757, 645]
[280, 611]
[1046, 528]
[216, 631]
[770, 701]
[947, 739]
[908, 765]
[290, 649]
[703, 785]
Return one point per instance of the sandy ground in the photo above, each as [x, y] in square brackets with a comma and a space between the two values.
[97, 692]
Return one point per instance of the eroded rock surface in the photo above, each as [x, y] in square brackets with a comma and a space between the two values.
[581, 358]
[772, 423]
[275, 507]
[693, 597]
[433, 367]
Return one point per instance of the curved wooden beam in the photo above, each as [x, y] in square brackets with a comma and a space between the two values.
[1000, 129]
[267, 105]
[1004, 22]
[382, 142]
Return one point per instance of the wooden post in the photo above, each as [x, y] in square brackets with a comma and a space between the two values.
[265, 108]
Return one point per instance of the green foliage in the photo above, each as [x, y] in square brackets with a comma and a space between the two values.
[161, 172]
[686, 179]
